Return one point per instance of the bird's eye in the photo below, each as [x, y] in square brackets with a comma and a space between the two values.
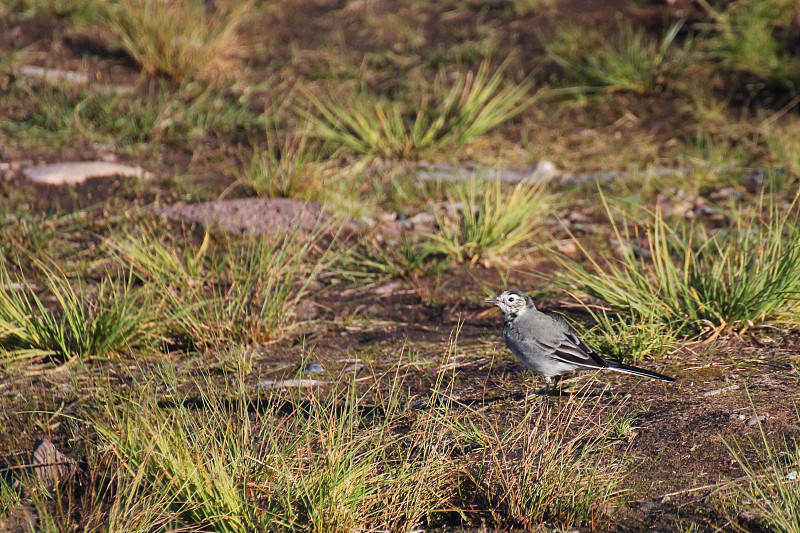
[511, 298]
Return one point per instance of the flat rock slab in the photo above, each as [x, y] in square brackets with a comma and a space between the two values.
[53, 75]
[290, 383]
[78, 172]
[543, 170]
[258, 216]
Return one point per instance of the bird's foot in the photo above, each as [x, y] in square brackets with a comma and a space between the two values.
[551, 387]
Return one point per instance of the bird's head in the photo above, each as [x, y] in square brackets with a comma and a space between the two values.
[513, 302]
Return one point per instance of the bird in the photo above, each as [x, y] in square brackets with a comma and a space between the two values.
[548, 345]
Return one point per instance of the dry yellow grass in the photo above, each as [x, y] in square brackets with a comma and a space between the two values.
[181, 38]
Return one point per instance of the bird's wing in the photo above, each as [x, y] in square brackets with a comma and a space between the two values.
[572, 350]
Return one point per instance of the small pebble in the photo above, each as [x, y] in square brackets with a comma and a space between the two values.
[314, 368]
[578, 217]
[754, 420]
[421, 222]
[355, 367]
[736, 417]
[649, 506]
[791, 476]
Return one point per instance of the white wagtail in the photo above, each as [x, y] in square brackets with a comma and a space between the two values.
[547, 344]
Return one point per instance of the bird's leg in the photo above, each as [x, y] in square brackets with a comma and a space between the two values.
[548, 383]
[557, 382]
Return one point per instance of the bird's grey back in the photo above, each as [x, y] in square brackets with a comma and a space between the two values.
[545, 327]
[528, 335]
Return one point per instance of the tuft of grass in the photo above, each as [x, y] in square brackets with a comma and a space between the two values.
[9, 497]
[321, 462]
[198, 463]
[225, 289]
[474, 104]
[753, 43]
[628, 336]
[485, 223]
[107, 501]
[284, 169]
[72, 112]
[113, 320]
[182, 39]
[695, 281]
[770, 494]
[548, 467]
[197, 110]
[370, 260]
[715, 161]
[782, 141]
[52, 117]
[634, 63]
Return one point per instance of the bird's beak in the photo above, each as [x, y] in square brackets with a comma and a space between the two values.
[491, 301]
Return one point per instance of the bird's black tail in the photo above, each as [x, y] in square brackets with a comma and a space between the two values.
[627, 369]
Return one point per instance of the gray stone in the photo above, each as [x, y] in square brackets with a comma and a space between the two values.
[355, 367]
[424, 222]
[314, 368]
[754, 420]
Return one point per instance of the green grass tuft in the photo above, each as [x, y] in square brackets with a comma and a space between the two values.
[486, 223]
[634, 63]
[226, 289]
[182, 39]
[371, 260]
[547, 467]
[698, 282]
[316, 463]
[628, 337]
[753, 46]
[283, 169]
[474, 104]
[113, 320]
[770, 494]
